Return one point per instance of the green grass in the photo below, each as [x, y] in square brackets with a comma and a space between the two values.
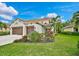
[64, 45]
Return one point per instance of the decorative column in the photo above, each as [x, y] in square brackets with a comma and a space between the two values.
[24, 30]
[10, 31]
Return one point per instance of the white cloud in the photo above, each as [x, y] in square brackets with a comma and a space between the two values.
[42, 16]
[63, 20]
[13, 11]
[6, 17]
[2, 5]
[4, 21]
[4, 9]
[7, 12]
[51, 15]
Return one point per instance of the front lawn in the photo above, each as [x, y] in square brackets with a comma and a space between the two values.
[64, 45]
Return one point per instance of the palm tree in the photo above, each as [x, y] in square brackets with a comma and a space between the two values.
[75, 21]
[56, 23]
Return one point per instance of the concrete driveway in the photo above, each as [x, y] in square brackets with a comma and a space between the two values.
[8, 39]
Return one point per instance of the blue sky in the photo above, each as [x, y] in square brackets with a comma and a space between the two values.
[36, 10]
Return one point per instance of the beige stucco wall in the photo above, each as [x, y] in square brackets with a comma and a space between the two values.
[68, 29]
[17, 23]
[38, 28]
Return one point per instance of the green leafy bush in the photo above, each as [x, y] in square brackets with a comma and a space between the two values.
[34, 36]
[4, 33]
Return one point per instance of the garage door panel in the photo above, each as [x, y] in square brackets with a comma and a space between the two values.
[17, 30]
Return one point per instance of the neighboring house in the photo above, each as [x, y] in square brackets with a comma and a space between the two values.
[2, 29]
[22, 27]
[70, 28]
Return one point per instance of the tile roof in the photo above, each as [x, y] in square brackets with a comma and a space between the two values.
[35, 21]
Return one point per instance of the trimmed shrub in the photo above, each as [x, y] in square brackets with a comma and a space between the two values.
[34, 36]
[4, 33]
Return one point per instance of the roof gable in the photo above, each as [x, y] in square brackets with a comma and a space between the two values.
[25, 22]
[17, 22]
[36, 20]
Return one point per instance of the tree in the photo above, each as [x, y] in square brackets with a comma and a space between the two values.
[3, 25]
[75, 21]
[56, 23]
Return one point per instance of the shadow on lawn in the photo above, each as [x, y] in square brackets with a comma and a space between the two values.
[77, 50]
[70, 33]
